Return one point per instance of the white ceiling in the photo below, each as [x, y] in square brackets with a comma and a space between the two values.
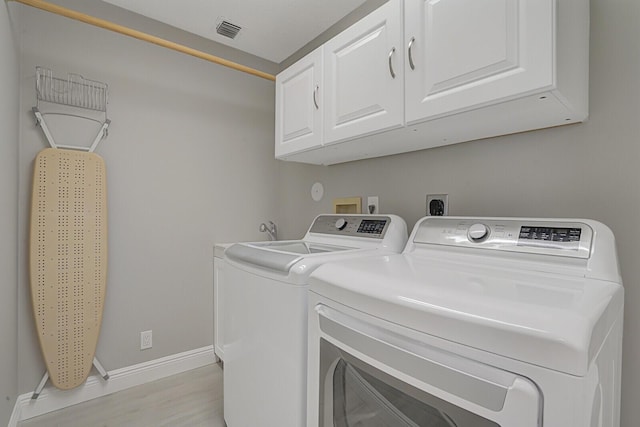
[271, 29]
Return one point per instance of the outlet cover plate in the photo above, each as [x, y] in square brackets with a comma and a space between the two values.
[372, 200]
[146, 340]
[445, 201]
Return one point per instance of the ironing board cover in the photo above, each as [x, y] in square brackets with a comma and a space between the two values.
[68, 260]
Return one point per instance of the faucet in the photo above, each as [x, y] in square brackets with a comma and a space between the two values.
[270, 229]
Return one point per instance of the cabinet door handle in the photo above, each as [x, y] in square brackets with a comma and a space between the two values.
[413, 39]
[391, 52]
[315, 101]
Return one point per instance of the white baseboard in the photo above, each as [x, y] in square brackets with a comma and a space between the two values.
[53, 399]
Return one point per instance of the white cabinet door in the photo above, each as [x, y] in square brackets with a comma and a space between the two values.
[298, 106]
[364, 76]
[464, 54]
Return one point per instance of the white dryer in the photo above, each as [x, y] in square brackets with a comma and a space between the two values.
[482, 322]
[264, 328]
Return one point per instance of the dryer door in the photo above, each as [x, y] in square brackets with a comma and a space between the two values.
[375, 377]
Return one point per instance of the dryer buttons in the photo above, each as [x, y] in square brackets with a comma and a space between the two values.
[341, 223]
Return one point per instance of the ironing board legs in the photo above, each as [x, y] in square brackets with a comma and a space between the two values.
[100, 369]
[43, 381]
[45, 378]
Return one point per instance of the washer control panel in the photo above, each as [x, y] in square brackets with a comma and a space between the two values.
[351, 225]
[572, 239]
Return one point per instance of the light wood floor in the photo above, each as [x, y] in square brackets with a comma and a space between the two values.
[193, 398]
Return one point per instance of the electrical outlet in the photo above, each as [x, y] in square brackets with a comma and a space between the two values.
[373, 206]
[437, 204]
[146, 340]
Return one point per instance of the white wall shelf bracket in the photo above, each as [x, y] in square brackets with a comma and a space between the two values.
[102, 132]
[74, 96]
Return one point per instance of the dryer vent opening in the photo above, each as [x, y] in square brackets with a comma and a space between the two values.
[227, 29]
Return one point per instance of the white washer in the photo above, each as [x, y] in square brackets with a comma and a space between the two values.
[265, 314]
[479, 322]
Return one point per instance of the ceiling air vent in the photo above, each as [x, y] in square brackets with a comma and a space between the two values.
[227, 29]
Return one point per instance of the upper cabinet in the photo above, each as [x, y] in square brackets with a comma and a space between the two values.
[425, 73]
[364, 76]
[298, 101]
[462, 54]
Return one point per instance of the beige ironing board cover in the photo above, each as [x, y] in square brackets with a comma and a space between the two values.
[68, 260]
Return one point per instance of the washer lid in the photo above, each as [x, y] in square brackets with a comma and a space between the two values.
[547, 319]
[279, 255]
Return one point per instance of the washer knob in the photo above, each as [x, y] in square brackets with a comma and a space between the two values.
[478, 232]
[341, 223]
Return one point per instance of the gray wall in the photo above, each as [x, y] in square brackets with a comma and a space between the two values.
[8, 212]
[588, 170]
[189, 161]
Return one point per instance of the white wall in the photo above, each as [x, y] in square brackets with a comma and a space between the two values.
[9, 132]
[189, 161]
[588, 170]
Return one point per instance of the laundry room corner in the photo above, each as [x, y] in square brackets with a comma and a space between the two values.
[9, 131]
[189, 161]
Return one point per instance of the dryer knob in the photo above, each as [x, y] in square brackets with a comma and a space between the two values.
[341, 223]
[478, 232]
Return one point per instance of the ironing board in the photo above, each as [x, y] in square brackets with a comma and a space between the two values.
[68, 262]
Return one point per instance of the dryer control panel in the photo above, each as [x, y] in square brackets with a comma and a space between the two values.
[351, 225]
[561, 238]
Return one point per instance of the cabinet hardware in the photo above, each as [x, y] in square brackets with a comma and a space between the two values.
[315, 101]
[413, 39]
[391, 52]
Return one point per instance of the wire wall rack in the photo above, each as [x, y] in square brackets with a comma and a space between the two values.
[74, 91]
